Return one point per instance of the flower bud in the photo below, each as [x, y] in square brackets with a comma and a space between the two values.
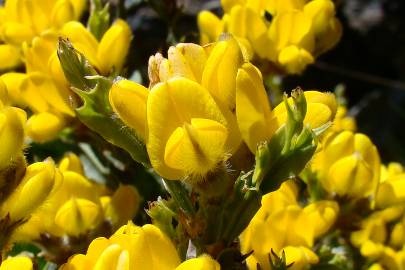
[71, 162]
[255, 119]
[124, 94]
[321, 12]
[219, 75]
[34, 189]
[77, 215]
[62, 12]
[210, 26]
[12, 121]
[45, 126]
[114, 46]
[123, 205]
[10, 56]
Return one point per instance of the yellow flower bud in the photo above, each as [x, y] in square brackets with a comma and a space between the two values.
[12, 121]
[13, 81]
[391, 191]
[321, 12]
[3, 94]
[143, 248]
[71, 162]
[201, 263]
[123, 95]
[76, 216]
[187, 60]
[114, 46]
[62, 12]
[219, 75]
[349, 165]
[210, 26]
[123, 205]
[10, 56]
[397, 236]
[19, 262]
[42, 127]
[38, 182]
[255, 118]
[188, 133]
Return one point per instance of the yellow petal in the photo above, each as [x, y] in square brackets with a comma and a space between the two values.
[71, 162]
[219, 76]
[20, 263]
[210, 26]
[171, 105]
[123, 205]
[77, 216]
[295, 59]
[12, 121]
[196, 148]
[10, 56]
[292, 28]
[352, 177]
[13, 81]
[255, 119]
[31, 193]
[114, 46]
[300, 257]
[187, 60]
[44, 126]
[128, 100]
[62, 12]
[82, 40]
[200, 263]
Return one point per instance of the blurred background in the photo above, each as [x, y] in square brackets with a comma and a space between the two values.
[369, 61]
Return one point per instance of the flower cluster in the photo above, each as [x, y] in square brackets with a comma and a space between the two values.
[215, 168]
[288, 33]
[30, 39]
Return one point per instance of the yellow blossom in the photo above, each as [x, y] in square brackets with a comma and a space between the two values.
[19, 262]
[133, 247]
[348, 164]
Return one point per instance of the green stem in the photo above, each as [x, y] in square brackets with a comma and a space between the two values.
[180, 194]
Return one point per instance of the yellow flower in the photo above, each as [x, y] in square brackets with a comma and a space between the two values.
[79, 205]
[348, 164]
[24, 20]
[122, 205]
[187, 132]
[40, 180]
[12, 122]
[281, 224]
[107, 55]
[257, 122]
[289, 33]
[133, 247]
[19, 262]
[123, 95]
[391, 188]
